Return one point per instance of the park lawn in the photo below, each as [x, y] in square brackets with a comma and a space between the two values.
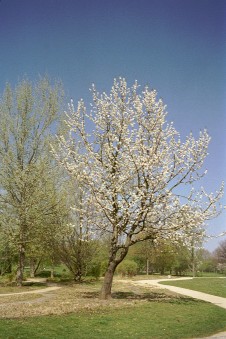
[175, 319]
[214, 286]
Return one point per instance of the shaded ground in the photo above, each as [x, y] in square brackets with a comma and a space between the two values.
[74, 298]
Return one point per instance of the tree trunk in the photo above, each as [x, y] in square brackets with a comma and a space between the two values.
[32, 268]
[193, 261]
[52, 272]
[147, 267]
[108, 279]
[79, 258]
[20, 268]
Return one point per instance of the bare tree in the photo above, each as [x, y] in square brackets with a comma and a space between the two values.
[220, 252]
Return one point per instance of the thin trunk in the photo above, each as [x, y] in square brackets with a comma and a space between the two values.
[193, 261]
[52, 269]
[37, 266]
[20, 269]
[32, 268]
[147, 266]
[79, 257]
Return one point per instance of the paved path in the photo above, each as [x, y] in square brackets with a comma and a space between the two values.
[219, 301]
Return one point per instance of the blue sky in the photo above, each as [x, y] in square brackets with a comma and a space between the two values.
[175, 46]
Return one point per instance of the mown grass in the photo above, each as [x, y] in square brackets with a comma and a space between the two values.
[214, 286]
[176, 319]
[75, 312]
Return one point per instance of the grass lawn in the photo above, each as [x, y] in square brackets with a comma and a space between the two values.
[176, 319]
[75, 312]
[214, 286]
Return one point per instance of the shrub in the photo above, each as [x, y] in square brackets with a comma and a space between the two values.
[127, 268]
[95, 270]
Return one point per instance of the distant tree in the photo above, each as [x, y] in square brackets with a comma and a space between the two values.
[206, 261]
[163, 256]
[29, 116]
[220, 252]
[182, 259]
[135, 170]
[142, 254]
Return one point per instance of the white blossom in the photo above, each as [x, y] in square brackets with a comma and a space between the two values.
[135, 169]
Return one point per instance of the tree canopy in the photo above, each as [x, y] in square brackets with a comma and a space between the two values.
[136, 174]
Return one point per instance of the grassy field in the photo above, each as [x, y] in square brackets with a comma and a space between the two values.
[174, 319]
[215, 286]
[75, 312]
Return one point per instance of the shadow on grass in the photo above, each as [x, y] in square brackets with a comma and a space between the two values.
[151, 297]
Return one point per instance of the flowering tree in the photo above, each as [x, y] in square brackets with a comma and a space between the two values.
[136, 174]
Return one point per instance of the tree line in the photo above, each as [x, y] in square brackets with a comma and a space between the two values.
[98, 181]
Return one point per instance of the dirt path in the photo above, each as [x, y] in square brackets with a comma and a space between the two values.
[41, 290]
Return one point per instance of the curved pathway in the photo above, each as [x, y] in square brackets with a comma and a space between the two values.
[219, 301]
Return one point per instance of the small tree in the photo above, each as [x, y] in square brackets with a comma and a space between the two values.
[182, 258]
[135, 170]
[75, 247]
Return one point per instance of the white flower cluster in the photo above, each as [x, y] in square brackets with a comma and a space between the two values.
[132, 166]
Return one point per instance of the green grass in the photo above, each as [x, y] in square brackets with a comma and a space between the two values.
[205, 274]
[176, 319]
[214, 286]
[210, 274]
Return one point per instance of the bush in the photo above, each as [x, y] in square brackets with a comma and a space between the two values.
[127, 268]
[95, 270]
[103, 267]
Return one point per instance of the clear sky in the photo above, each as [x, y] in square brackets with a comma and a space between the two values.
[175, 46]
